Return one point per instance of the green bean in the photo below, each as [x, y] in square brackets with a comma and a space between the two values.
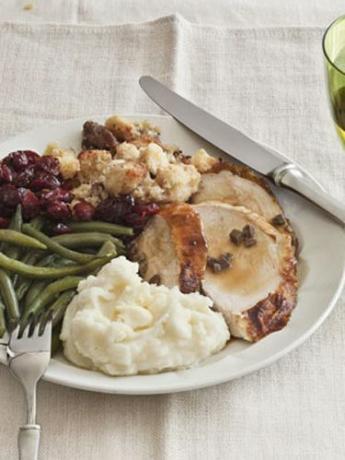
[35, 289]
[77, 240]
[16, 224]
[2, 319]
[108, 248]
[9, 297]
[54, 260]
[99, 226]
[22, 285]
[46, 261]
[30, 258]
[56, 342]
[56, 247]
[61, 262]
[58, 308]
[29, 271]
[15, 280]
[92, 251]
[23, 288]
[50, 260]
[17, 238]
[37, 222]
[49, 294]
[17, 219]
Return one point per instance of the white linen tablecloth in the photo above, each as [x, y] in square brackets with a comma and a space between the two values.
[268, 81]
[233, 13]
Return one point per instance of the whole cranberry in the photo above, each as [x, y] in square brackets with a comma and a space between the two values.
[30, 203]
[60, 229]
[115, 209]
[6, 174]
[21, 159]
[48, 164]
[136, 221]
[59, 211]
[4, 222]
[69, 184]
[51, 196]
[24, 178]
[32, 156]
[140, 214]
[145, 210]
[9, 196]
[5, 211]
[84, 211]
[44, 180]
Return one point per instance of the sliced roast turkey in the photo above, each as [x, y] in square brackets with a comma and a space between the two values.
[239, 186]
[172, 248]
[257, 292]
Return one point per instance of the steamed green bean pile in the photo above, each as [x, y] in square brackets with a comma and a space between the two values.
[39, 274]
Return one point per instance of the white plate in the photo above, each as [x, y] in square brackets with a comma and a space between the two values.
[321, 268]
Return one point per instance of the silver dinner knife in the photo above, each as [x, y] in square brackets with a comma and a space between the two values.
[233, 142]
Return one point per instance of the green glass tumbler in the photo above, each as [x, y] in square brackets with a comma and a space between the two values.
[334, 51]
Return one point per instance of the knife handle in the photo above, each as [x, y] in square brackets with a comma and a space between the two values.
[295, 179]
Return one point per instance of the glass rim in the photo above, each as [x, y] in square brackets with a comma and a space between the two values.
[324, 44]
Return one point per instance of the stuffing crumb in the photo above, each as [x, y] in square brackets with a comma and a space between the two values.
[122, 177]
[179, 181]
[127, 151]
[154, 158]
[148, 190]
[142, 132]
[123, 129]
[148, 129]
[91, 193]
[93, 164]
[203, 161]
[69, 163]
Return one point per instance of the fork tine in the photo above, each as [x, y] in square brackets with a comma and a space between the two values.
[24, 330]
[32, 326]
[38, 321]
[46, 319]
[48, 327]
[15, 331]
[36, 329]
[22, 325]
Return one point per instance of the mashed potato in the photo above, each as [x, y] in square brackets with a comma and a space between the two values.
[121, 325]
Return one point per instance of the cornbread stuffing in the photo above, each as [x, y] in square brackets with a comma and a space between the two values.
[93, 164]
[69, 163]
[141, 165]
[203, 161]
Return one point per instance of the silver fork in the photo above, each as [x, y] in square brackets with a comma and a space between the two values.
[28, 358]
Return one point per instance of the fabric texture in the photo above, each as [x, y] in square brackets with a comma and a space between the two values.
[234, 13]
[269, 82]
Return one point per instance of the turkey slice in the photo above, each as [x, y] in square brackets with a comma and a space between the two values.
[257, 294]
[172, 249]
[239, 186]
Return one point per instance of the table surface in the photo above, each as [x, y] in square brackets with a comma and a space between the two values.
[295, 409]
[233, 13]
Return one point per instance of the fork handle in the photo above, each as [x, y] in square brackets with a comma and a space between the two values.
[28, 442]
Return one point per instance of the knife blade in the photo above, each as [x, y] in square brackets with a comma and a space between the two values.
[236, 144]
[214, 130]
